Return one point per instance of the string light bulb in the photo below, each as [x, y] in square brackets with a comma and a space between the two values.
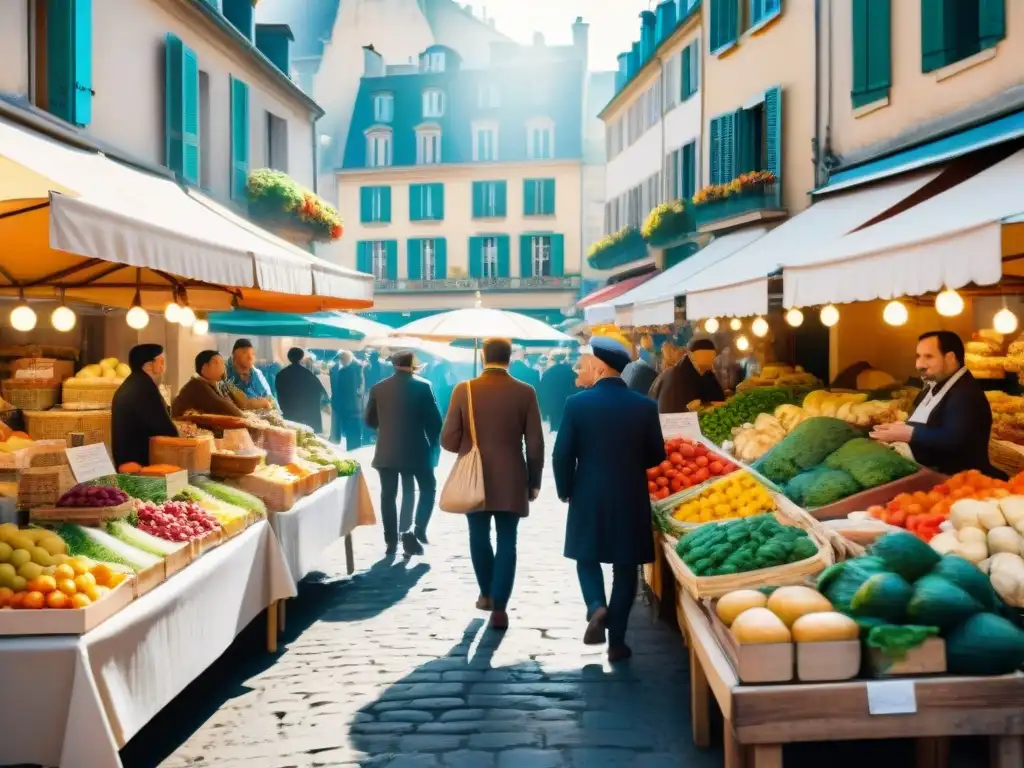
[795, 317]
[23, 317]
[735, 324]
[711, 325]
[742, 343]
[200, 327]
[63, 319]
[949, 303]
[172, 312]
[1005, 321]
[829, 315]
[759, 327]
[895, 313]
[186, 317]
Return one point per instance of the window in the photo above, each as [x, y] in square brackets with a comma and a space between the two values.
[489, 258]
[378, 258]
[205, 156]
[426, 202]
[488, 96]
[540, 139]
[485, 142]
[690, 70]
[762, 11]
[378, 149]
[277, 143]
[952, 30]
[383, 107]
[489, 199]
[747, 140]
[375, 205]
[540, 256]
[428, 146]
[62, 56]
[539, 197]
[433, 103]
[427, 263]
[681, 169]
[428, 259]
[432, 62]
[724, 24]
[872, 51]
[670, 81]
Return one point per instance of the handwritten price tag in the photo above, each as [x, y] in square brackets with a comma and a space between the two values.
[892, 697]
[89, 462]
[680, 425]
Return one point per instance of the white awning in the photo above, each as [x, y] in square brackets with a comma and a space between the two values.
[653, 303]
[599, 314]
[739, 286]
[949, 240]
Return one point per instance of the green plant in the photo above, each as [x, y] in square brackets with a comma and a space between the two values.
[667, 222]
[276, 196]
[607, 250]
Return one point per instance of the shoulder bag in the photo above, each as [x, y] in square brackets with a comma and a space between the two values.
[464, 489]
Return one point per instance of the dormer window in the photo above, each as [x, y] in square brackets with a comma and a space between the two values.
[433, 103]
[428, 145]
[383, 107]
[432, 62]
[378, 148]
[540, 139]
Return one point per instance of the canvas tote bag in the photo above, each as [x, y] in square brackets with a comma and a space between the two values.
[464, 489]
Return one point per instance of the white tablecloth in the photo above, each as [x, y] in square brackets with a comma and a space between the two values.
[320, 519]
[76, 700]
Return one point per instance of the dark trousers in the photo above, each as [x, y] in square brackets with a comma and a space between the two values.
[495, 569]
[389, 478]
[352, 430]
[624, 584]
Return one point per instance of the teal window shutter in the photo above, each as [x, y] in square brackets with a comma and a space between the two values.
[364, 256]
[715, 151]
[557, 255]
[476, 257]
[530, 197]
[478, 199]
[391, 256]
[415, 202]
[991, 22]
[437, 201]
[938, 36]
[773, 131]
[504, 267]
[239, 138]
[440, 258]
[181, 110]
[385, 204]
[69, 60]
[745, 156]
[688, 182]
[525, 256]
[714, 11]
[724, 23]
[500, 198]
[365, 204]
[414, 262]
[727, 148]
[684, 78]
[872, 51]
[82, 77]
[548, 187]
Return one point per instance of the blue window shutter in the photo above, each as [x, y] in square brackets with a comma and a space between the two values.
[872, 50]
[557, 255]
[415, 202]
[504, 268]
[82, 78]
[239, 138]
[60, 62]
[549, 197]
[414, 262]
[744, 157]
[938, 35]
[525, 256]
[689, 170]
[991, 22]
[500, 198]
[365, 204]
[174, 107]
[190, 134]
[440, 258]
[478, 199]
[476, 257]
[437, 200]
[385, 204]
[391, 254]
[684, 92]
[727, 148]
[715, 147]
[773, 131]
[530, 197]
[364, 256]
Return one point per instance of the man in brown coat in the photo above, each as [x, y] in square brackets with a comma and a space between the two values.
[506, 416]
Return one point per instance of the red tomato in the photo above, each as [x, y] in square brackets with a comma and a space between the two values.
[653, 473]
[687, 470]
[701, 449]
[701, 461]
[701, 475]
[652, 487]
[662, 482]
[662, 494]
[665, 466]
[716, 467]
[672, 474]
[727, 467]
[898, 518]
[676, 485]
[675, 458]
[687, 451]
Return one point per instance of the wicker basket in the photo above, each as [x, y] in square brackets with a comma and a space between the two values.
[58, 425]
[280, 445]
[233, 464]
[89, 390]
[30, 395]
[48, 454]
[81, 515]
[1006, 456]
[43, 486]
[193, 454]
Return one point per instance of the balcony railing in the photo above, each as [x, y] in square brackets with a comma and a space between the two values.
[741, 208]
[464, 284]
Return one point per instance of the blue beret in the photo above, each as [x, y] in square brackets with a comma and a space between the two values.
[611, 352]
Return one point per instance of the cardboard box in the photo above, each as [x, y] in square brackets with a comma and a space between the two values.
[42, 367]
[67, 621]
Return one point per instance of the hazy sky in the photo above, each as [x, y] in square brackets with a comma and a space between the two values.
[614, 24]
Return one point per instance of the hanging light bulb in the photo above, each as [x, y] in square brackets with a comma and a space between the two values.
[63, 319]
[735, 324]
[759, 327]
[795, 317]
[711, 325]
[1005, 321]
[742, 343]
[829, 315]
[895, 313]
[187, 317]
[23, 317]
[949, 303]
[172, 312]
[200, 327]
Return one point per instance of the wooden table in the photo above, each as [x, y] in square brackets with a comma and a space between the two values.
[759, 719]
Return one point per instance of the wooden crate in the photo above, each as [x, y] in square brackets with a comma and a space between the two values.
[754, 663]
[65, 621]
[922, 480]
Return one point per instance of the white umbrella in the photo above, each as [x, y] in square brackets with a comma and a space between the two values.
[387, 345]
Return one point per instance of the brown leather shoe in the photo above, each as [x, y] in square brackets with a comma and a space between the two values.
[619, 653]
[499, 620]
[484, 603]
[596, 628]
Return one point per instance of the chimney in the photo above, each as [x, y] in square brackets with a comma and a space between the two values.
[623, 74]
[581, 37]
[647, 31]
[274, 41]
[666, 13]
[242, 16]
[373, 62]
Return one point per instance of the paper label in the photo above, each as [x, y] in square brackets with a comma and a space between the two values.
[176, 482]
[892, 697]
[90, 462]
[680, 425]
[35, 374]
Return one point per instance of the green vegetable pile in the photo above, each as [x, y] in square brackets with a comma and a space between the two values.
[820, 486]
[902, 592]
[744, 545]
[869, 463]
[717, 424]
[807, 446]
[346, 467]
[234, 496]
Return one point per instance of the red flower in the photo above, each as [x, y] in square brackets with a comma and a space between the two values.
[336, 231]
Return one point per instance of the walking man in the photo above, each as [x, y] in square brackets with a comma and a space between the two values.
[557, 384]
[609, 437]
[300, 392]
[404, 413]
[346, 400]
[504, 416]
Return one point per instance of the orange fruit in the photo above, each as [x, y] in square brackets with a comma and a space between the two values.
[78, 567]
[17, 599]
[80, 601]
[63, 571]
[45, 584]
[57, 600]
[34, 599]
[6, 593]
[67, 586]
[102, 573]
[92, 592]
[102, 592]
[116, 578]
[85, 580]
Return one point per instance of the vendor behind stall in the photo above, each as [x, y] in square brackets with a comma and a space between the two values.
[206, 392]
[138, 410]
[246, 383]
[689, 380]
[951, 423]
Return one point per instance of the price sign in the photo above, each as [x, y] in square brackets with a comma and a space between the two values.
[892, 697]
[680, 425]
[90, 462]
[176, 482]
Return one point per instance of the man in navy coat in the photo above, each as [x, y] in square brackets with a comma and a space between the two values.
[609, 437]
